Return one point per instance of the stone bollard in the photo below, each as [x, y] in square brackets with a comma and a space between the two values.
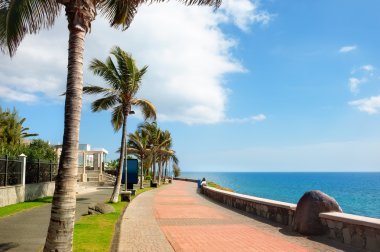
[306, 219]
[126, 196]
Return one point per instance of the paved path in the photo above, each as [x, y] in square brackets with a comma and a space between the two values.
[26, 231]
[177, 218]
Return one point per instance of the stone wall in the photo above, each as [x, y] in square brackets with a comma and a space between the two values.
[15, 194]
[357, 231]
[40, 190]
[11, 195]
[273, 210]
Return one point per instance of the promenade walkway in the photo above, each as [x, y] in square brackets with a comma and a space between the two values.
[177, 218]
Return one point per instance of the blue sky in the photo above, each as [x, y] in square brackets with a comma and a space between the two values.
[256, 86]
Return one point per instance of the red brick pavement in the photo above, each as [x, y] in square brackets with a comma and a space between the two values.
[179, 202]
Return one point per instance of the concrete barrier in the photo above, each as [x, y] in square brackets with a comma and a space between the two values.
[273, 210]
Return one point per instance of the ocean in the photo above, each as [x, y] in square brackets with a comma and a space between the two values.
[356, 193]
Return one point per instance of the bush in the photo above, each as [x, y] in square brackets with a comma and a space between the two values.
[148, 177]
[37, 149]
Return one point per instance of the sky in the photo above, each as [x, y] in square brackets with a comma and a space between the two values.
[264, 85]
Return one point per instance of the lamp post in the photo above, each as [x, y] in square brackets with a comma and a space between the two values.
[131, 112]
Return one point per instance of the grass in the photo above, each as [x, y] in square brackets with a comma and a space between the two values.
[95, 232]
[23, 206]
[212, 184]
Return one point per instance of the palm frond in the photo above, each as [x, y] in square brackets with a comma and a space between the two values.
[20, 17]
[104, 103]
[97, 90]
[121, 57]
[120, 13]
[215, 3]
[103, 70]
[147, 108]
[117, 117]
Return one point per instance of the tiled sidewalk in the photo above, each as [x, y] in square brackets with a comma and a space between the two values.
[177, 217]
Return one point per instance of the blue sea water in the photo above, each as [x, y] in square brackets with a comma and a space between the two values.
[356, 193]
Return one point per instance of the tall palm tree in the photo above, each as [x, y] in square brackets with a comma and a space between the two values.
[123, 80]
[138, 146]
[20, 17]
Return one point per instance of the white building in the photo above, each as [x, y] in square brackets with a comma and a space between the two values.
[91, 163]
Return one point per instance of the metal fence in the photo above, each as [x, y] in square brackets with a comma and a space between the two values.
[40, 171]
[10, 171]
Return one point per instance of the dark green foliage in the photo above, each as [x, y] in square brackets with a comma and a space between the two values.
[12, 131]
[176, 170]
[113, 164]
[39, 149]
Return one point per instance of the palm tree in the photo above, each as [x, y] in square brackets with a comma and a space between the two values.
[160, 143]
[138, 146]
[163, 151]
[12, 131]
[123, 81]
[20, 17]
[154, 135]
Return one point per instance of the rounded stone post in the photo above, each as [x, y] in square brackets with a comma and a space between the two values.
[22, 158]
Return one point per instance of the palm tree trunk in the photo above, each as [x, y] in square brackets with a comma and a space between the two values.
[116, 189]
[142, 172]
[61, 226]
[166, 169]
[159, 171]
[154, 167]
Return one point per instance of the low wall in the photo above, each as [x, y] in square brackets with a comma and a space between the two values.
[15, 194]
[11, 195]
[273, 210]
[186, 179]
[40, 190]
[358, 231]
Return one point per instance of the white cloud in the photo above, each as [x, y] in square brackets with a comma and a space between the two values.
[369, 105]
[245, 12]
[187, 53]
[354, 84]
[13, 95]
[368, 68]
[346, 49]
[251, 119]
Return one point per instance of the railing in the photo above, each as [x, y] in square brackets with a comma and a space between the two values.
[10, 171]
[40, 171]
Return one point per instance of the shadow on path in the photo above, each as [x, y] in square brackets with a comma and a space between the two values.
[7, 246]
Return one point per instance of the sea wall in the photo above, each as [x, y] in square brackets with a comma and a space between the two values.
[273, 210]
[186, 179]
[358, 231]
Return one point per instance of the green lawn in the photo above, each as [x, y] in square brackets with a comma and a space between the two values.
[212, 184]
[95, 232]
[16, 208]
